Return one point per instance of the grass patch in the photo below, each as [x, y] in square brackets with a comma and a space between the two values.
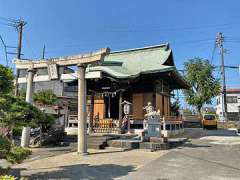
[18, 154]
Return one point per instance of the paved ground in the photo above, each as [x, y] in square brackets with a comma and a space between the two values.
[214, 155]
[98, 165]
[210, 155]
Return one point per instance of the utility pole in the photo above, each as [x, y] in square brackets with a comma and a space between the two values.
[219, 43]
[19, 26]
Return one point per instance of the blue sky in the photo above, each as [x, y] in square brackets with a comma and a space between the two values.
[76, 26]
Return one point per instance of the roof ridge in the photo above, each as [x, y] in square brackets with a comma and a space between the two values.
[142, 48]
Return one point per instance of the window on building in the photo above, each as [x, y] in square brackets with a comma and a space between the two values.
[42, 71]
[232, 99]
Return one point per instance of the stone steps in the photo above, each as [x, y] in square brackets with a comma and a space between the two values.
[124, 143]
[152, 146]
[93, 142]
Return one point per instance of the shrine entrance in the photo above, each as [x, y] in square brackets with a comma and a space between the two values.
[81, 61]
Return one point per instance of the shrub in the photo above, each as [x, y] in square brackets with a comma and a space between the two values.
[18, 154]
[16, 112]
[5, 146]
[17, 130]
[3, 171]
[46, 97]
[6, 177]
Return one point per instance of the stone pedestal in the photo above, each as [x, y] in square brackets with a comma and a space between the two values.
[152, 126]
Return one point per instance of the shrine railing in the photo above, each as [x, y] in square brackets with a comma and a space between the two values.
[105, 126]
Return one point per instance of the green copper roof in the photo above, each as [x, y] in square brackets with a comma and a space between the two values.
[133, 62]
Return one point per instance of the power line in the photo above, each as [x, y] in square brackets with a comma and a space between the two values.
[7, 24]
[5, 49]
[9, 19]
[58, 49]
[10, 22]
[33, 52]
[213, 52]
[157, 28]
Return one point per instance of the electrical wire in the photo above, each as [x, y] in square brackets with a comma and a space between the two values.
[5, 49]
[7, 24]
[157, 28]
[28, 44]
[9, 19]
[213, 53]
[191, 42]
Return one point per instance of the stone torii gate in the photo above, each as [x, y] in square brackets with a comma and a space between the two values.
[78, 60]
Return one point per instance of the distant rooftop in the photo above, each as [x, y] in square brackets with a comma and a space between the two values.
[233, 90]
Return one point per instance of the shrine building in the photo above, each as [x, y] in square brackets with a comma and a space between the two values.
[138, 76]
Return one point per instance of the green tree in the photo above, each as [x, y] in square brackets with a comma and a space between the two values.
[175, 106]
[203, 84]
[14, 111]
[45, 97]
[6, 79]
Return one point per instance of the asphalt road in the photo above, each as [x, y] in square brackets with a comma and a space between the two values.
[210, 155]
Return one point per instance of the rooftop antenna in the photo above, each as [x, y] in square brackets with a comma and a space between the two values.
[43, 53]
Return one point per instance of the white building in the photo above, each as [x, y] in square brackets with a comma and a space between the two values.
[233, 104]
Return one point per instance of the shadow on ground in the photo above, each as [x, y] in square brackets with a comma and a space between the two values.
[191, 145]
[76, 172]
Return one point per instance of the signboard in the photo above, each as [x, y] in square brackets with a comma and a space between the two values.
[93, 75]
[52, 71]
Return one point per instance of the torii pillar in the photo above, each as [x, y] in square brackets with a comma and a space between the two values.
[82, 125]
[29, 91]
[25, 139]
